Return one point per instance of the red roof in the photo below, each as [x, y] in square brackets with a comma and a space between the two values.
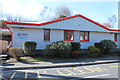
[79, 15]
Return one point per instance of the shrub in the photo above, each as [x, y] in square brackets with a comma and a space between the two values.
[16, 50]
[49, 51]
[106, 46]
[76, 53]
[58, 49]
[84, 55]
[118, 51]
[29, 47]
[93, 51]
[75, 46]
[3, 46]
[16, 53]
[97, 45]
[75, 49]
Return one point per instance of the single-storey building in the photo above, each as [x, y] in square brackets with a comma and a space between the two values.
[76, 28]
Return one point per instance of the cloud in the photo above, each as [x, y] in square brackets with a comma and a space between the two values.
[26, 9]
[75, 13]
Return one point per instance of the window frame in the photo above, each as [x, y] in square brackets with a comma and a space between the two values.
[48, 35]
[85, 34]
[115, 37]
[68, 35]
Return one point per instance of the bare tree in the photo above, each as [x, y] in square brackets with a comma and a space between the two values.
[43, 13]
[111, 21]
[62, 11]
[14, 18]
[107, 24]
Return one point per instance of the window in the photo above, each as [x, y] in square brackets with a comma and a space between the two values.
[115, 37]
[46, 34]
[84, 36]
[68, 35]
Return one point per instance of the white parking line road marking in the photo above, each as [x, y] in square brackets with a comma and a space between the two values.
[13, 75]
[6, 73]
[26, 75]
[96, 76]
[38, 74]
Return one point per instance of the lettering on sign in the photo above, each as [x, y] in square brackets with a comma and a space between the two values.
[22, 35]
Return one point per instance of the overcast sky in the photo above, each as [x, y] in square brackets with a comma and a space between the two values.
[97, 10]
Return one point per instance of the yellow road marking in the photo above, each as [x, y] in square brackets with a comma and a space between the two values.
[38, 74]
[69, 74]
[63, 74]
[44, 72]
[70, 71]
[114, 66]
[1, 75]
[81, 72]
[90, 69]
[96, 76]
[13, 75]
[93, 69]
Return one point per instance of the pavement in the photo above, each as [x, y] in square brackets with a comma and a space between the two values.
[56, 64]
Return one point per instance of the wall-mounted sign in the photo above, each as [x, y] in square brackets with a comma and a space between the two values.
[22, 35]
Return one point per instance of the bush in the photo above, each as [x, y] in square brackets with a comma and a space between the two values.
[16, 53]
[75, 53]
[16, 50]
[106, 46]
[29, 48]
[75, 46]
[84, 55]
[58, 49]
[97, 45]
[93, 51]
[75, 49]
[118, 51]
[3, 46]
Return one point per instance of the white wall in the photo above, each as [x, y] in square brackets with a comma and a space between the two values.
[96, 37]
[55, 35]
[37, 35]
[33, 35]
